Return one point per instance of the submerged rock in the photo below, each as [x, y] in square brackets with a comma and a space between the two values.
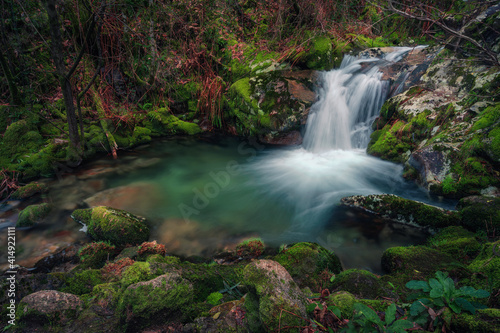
[32, 215]
[29, 190]
[404, 211]
[276, 301]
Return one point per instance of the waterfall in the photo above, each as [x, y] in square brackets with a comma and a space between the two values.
[349, 101]
[332, 161]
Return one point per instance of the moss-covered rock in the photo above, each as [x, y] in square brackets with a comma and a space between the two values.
[29, 190]
[456, 242]
[486, 269]
[361, 283]
[137, 272]
[33, 214]
[95, 254]
[416, 262]
[49, 306]
[309, 264]
[162, 297]
[117, 226]
[250, 248]
[273, 290]
[81, 282]
[344, 300]
[480, 213]
[404, 210]
[271, 105]
[484, 321]
[82, 215]
[162, 122]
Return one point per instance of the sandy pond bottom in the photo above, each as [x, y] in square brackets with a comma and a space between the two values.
[205, 195]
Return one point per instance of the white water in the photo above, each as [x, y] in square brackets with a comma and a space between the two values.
[332, 162]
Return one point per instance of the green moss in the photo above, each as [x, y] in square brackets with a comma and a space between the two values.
[309, 264]
[484, 321]
[141, 135]
[158, 258]
[389, 142]
[417, 262]
[480, 214]
[139, 271]
[82, 215]
[29, 190]
[82, 282]
[344, 301]
[361, 283]
[320, 55]
[456, 241]
[377, 305]
[167, 124]
[107, 294]
[95, 254]
[163, 298]
[493, 147]
[214, 298]
[486, 267]
[33, 214]
[117, 226]
[487, 118]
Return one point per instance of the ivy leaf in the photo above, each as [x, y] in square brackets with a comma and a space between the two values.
[437, 288]
[455, 308]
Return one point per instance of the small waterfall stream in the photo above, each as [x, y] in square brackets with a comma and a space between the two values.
[332, 162]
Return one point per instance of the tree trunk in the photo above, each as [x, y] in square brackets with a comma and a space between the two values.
[57, 56]
[14, 93]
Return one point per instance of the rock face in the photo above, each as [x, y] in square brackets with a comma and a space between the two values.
[445, 134]
[113, 225]
[403, 210]
[274, 291]
[273, 105]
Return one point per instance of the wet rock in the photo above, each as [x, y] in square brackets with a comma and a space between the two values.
[309, 264]
[53, 305]
[433, 165]
[29, 190]
[227, 317]
[273, 291]
[403, 210]
[60, 258]
[117, 226]
[32, 215]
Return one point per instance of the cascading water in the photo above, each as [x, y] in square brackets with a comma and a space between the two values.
[332, 162]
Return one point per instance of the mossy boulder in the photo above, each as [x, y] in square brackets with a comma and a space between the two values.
[137, 272]
[250, 248]
[33, 215]
[480, 213]
[344, 300]
[49, 306]
[361, 283]
[29, 190]
[457, 242]
[162, 122]
[116, 226]
[82, 215]
[272, 106]
[309, 264]
[417, 262]
[275, 301]
[404, 210]
[162, 297]
[486, 269]
[81, 282]
[483, 321]
[95, 254]
[320, 55]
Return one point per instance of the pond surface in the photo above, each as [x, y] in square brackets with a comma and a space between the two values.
[205, 195]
